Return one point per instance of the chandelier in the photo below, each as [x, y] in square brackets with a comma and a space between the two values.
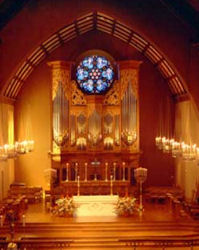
[8, 148]
[177, 148]
[9, 151]
[164, 143]
[188, 152]
[167, 144]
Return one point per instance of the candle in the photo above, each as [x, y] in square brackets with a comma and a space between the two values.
[123, 164]
[67, 168]
[76, 165]
[106, 169]
[78, 185]
[85, 164]
[114, 170]
[1, 220]
[23, 220]
[111, 185]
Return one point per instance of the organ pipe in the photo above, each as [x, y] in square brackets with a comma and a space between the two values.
[129, 116]
[60, 116]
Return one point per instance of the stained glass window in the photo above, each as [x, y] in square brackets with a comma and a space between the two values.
[94, 74]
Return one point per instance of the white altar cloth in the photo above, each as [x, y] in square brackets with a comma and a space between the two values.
[95, 205]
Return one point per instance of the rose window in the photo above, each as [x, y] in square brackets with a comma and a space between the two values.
[95, 75]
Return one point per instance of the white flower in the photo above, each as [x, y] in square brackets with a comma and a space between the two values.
[126, 206]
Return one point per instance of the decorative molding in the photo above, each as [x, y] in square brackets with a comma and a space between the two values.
[77, 97]
[129, 72]
[7, 100]
[113, 95]
[60, 73]
[129, 64]
[182, 98]
[126, 76]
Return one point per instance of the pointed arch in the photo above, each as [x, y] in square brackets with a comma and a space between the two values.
[104, 23]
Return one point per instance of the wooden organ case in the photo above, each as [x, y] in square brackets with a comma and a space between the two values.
[95, 138]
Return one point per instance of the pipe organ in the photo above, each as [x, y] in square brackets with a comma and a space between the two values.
[95, 137]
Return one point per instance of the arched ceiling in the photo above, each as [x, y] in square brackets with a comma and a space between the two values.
[186, 10]
[9, 8]
[104, 23]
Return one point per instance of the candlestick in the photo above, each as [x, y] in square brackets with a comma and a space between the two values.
[141, 205]
[23, 220]
[78, 185]
[114, 170]
[76, 165]
[67, 168]
[106, 170]
[140, 176]
[85, 164]
[1, 220]
[111, 185]
[123, 164]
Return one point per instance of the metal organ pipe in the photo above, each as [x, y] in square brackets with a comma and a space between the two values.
[129, 115]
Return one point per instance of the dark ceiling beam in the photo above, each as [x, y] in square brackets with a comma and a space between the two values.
[184, 10]
[186, 14]
[9, 9]
[194, 4]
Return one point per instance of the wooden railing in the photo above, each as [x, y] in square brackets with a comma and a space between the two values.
[163, 243]
[38, 243]
[136, 243]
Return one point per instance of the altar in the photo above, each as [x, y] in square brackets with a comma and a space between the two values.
[95, 205]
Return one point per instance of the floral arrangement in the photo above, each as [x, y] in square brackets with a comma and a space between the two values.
[64, 207]
[126, 206]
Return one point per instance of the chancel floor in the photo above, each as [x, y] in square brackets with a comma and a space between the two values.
[153, 212]
[155, 227]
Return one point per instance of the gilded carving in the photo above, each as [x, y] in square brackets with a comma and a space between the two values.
[63, 76]
[77, 97]
[60, 73]
[113, 95]
[129, 75]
